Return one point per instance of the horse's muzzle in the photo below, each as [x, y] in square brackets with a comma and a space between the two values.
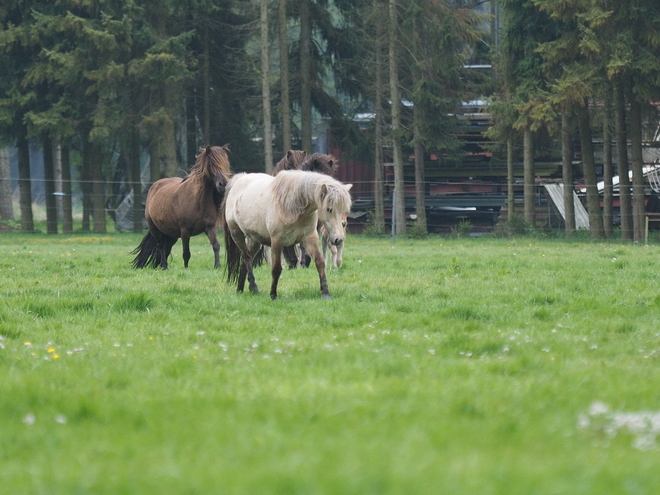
[338, 241]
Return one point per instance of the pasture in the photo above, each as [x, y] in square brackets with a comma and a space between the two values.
[457, 366]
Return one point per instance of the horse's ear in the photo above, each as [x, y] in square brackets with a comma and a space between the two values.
[324, 191]
[288, 154]
[348, 186]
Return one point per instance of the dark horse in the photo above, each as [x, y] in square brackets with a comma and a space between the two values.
[297, 160]
[183, 208]
[317, 162]
[292, 161]
[321, 163]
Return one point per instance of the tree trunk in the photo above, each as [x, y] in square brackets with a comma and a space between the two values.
[156, 164]
[593, 198]
[191, 129]
[6, 206]
[567, 174]
[305, 77]
[162, 151]
[639, 209]
[608, 188]
[49, 183]
[98, 189]
[206, 81]
[24, 181]
[67, 207]
[135, 178]
[171, 163]
[420, 180]
[528, 180]
[399, 200]
[418, 146]
[622, 161]
[265, 89]
[510, 180]
[86, 185]
[57, 166]
[379, 186]
[285, 109]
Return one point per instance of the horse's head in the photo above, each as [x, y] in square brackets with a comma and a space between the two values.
[321, 163]
[292, 161]
[213, 165]
[336, 204]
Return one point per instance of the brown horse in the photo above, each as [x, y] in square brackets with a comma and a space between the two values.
[321, 163]
[292, 161]
[317, 162]
[183, 208]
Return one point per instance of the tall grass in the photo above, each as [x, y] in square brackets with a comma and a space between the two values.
[483, 366]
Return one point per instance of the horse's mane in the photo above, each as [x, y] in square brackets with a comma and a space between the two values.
[320, 162]
[295, 190]
[292, 161]
[212, 164]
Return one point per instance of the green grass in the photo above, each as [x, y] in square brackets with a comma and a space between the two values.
[439, 366]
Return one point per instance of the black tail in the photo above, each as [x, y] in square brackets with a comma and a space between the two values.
[259, 258]
[232, 253]
[149, 253]
[233, 256]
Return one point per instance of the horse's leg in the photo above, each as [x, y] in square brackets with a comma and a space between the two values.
[291, 256]
[212, 234]
[163, 250]
[276, 265]
[248, 250]
[185, 240]
[305, 259]
[241, 277]
[312, 246]
[166, 245]
[337, 256]
[252, 249]
[324, 246]
[160, 253]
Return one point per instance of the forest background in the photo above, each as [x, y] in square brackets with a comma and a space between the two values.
[101, 85]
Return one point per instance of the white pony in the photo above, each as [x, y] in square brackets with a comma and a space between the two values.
[259, 209]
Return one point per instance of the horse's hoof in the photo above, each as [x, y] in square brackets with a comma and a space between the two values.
[273, 296]
[325, 296]
[254, 291]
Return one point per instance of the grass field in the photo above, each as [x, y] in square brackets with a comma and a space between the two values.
[440, 366]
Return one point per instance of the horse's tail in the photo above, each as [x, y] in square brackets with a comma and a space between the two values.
[149, 253]
[259, 258]
[233, 256]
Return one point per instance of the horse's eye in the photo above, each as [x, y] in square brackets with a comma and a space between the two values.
[343, 224]
[329, 210]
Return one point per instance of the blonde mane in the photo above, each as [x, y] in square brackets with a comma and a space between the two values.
[295, 191]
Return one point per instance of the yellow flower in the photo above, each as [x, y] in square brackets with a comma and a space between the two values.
[51, 350]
